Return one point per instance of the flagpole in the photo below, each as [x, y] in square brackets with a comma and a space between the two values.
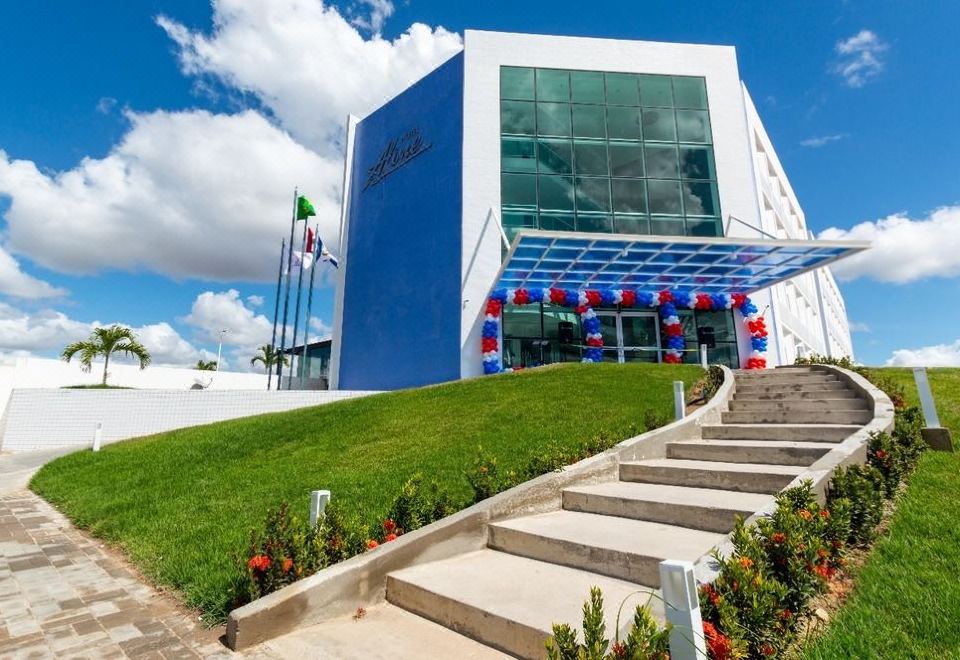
[306, 324]
[276, 312]
[286, 300]
[296, 314]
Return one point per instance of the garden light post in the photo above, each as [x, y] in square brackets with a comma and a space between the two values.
[220, 347]
[935, 435]
[681, 605]
[679, 405]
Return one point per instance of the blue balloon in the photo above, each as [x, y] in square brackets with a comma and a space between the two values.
[593, 354]
[644, 298]
[718, 301]
[491, 368]
[667, 309]
[606, 297]
[571, 297]
[536, 295]
[499, 294]
[682, 298]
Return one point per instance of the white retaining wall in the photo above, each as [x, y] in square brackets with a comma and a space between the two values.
[48, 418]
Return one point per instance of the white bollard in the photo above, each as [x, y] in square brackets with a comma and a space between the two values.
[682, 607]
[97, 436]
[318, 502]
[679, 405]
[926, 397]
[703, 356]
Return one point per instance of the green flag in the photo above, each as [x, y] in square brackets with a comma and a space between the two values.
[304, 208]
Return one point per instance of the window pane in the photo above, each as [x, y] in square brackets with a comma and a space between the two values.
[655, 91]
[721, 321]
[661, 161]
[517, 221]
[664, 197]
[666, 226]
[632, 224]
[709, 227]
[518, 190]
[629, 196]
[690, 92]
[659, 125]
[517, 117]
[697, 163]
[598, 223]
[590, 158]
[553, 85]
[554, 316]
[588, 121]
[700, 198]
[693, 126]
[593, 194]
[558, 222]
[522, 321]
[556, 193]
[518, 155]
[587, 86]
[516, 83]
[553, 119]
[623, 123]
[555, 156]
[622, 89]
[626, 159]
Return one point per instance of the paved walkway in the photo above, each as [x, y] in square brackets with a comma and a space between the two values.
[62, 595]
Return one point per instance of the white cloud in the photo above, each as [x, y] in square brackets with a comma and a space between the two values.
[939, 355]
[255, 301]
[184, 194]
[14, 282]
[860, 58]
[213, 312]
[856, 326]
[106, 104]
[823, 140]
[307, 63]
[380, 11]
[903, 249]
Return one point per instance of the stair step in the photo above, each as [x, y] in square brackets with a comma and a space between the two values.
[385, 631]
[698, 508]
[772, 452]
[794, 432]
[617, 547]
[789, 386]
[742, 477]
[776, 377]
[796, 417]
[803, 405]
[775, 395]
[510, 602]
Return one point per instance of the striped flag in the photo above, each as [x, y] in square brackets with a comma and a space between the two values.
[325, 254]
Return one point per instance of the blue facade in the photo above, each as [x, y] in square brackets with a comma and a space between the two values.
[401, 297]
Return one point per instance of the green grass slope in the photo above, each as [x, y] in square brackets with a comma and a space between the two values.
[181, 504]
[906, 599]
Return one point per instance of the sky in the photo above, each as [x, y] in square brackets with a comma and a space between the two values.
[149, 150]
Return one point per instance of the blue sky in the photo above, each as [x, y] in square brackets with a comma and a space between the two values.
[120, 134]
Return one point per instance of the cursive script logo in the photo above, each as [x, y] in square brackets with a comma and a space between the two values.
[398, 153]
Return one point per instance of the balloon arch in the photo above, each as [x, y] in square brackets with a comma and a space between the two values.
[583, 302]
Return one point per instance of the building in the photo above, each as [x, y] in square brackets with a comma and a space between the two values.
[531, 164]
[308, 369]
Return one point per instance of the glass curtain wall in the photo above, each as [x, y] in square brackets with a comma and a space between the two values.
[606, 152]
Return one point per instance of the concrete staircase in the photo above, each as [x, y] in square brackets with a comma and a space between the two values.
[537, 570]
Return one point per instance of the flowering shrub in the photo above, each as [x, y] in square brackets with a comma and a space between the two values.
[889, 458]
[646, 640]
[860, 487]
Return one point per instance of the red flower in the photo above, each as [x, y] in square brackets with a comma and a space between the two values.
[778, 537]
[619, 650]
[786, 615]
[718, 644]
[372, 544]
[259, 563]
[711, 594]
[389, 525]
[767, 649]
[287, 565]
[390, 537]
[881, 454]
[824, 514]
[806, 515]
[746, 562]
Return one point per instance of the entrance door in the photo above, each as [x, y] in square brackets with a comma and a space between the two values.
[630, 336]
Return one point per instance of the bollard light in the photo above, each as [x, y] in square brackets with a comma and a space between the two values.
[703, 356]
[679, 405]
[318, 503]
[682, 608]
[97, 436]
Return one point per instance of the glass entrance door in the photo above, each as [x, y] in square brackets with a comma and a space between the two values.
[630, 336]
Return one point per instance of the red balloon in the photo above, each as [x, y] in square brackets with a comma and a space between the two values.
[521, 297]
[557, 296]
[494, 307]
[593, 297]
[665, 297]
[629, 298]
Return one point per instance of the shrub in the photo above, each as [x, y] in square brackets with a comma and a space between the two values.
[907, 431]
[417, 505]
[645, 640]
[889, 458]
[483, 476]
[706, 387]
[861, 488]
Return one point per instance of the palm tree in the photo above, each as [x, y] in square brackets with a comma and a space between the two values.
[105, 342]
[269, 356]
[206, 365]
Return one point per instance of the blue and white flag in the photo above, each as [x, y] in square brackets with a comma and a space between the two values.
[325, 254]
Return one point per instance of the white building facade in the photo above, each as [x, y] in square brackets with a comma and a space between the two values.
[605, 139]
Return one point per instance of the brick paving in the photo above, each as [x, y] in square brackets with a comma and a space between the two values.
[62, 595]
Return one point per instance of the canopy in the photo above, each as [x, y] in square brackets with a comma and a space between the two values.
[710, 265]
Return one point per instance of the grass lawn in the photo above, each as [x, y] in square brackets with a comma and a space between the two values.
[906, 599]
[181, 504]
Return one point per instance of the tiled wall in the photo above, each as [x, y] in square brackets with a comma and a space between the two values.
[48, 418]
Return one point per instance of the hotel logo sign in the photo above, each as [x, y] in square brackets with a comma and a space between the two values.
[398, 153]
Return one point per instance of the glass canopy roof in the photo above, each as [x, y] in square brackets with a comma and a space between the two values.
[574, 260]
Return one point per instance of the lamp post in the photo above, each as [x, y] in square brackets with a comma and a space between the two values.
[220, 347]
